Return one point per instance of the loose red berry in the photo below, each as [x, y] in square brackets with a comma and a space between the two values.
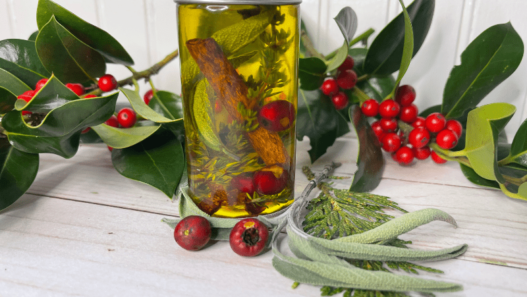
[446, 139]
[277, 115]
[405, 95]
[404, 155]
[389, 109]
[370, 107]
[419, 137]
[271, 180]
[409, 113]
[41, 83]
[86, 130]
[248, 237]
[148, 96]
[419, 122]
[76, 88]
[340, 100]
[244, 183]
[27, 96]
[347, 79]
[193, 233]
[347, 64]
[421, 153]
[391, 142]
[112, 122]
[455, 127]
[107, 83]
[435, 122]
[89, 96]
[126, 117]
[378, 130]
[436, 158]
[330, 87]
[388, 125]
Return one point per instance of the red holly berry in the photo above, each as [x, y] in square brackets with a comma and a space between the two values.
[409, 113]
[389, 109]
[436, 158]
[27, 96]
[446, 139]
[391, 142]
[370, 107]
[248, 237]
[419, 122]
[405, 95]
[388, 125]
[404, 155]
[419, 137]
[244, 183]
[455, 127]
[193, 233]
[112, 122]
[340, 100]
[217, 106]
[271, 180]
[110, 148]
[330, 87]
[347, 64]
[277, 115]
[89, 96]
[76, 88]
[421, 153]
[347, 79]
[148, 96]
[107, 83]
[126, 117]
[378, 130]
[86, 130]
[435, 122]
[41, 83]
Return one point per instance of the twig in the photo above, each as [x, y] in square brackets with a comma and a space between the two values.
[308, 43]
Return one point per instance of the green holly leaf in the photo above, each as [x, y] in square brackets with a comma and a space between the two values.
[17, 172]
[311, 72]
[120, 138]
[488, 60]
[69, 58]
[144, 110]
[94, 37]
[347, 21]
[408, 48]
[339, 58]
[33, 36]
[473, 177]
[158, 161]
[386, 52]
[54, 94]
[90, 137]
[20, 58]
[10, 88]
[319, 120]
[370, 160]
[518, 149]
[167, 104]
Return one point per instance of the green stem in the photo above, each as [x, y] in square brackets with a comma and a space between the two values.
[359, 93]
[363, 77]
[505, 161]
[295, 285]
[308, 43]
[459, 156]
[363, 36]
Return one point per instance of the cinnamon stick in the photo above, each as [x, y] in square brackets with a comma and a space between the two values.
[230, 89]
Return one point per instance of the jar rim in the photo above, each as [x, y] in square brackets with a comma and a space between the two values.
[240, 2]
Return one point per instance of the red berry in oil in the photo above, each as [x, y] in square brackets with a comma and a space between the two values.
[405, 95]
[271, 180]
[107, 83]
[41, 83]
[437, 159]
[404, 155]
[347, 79]
[340, 101]
[388, 125]
[446, 139]
[193, 233]
[389, 109]
[277, 116]
[421, 153]
[330, 87]
[419, 137]
[391, 142]
[244, 183]
[409, 113]
[347, 64]
[248, 237]
[455, 127]
[76, 88]
[378, 130]
[148, 96]
[419, 122]
[370, 107]
[435, 122]
[112, 122]
[126, 117]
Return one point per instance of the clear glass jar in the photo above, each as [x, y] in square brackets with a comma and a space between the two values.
[239, 74]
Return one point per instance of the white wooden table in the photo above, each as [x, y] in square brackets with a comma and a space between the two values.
[84, 230]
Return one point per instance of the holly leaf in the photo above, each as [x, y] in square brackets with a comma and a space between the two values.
[144, 110]
[408, 47]
[339, 58]
[518, 149]
[68, 57]
[370, 160]
[94, 37]
[386, 52]
[167, 104]
[17, 172]
[319, 120]
[10, 88]
[347, 21]
[120, 138]
[311, 72]
[474, 178]
[20, 58]
[158, 161]
[90, 137]
[54, 94]
[487, 61]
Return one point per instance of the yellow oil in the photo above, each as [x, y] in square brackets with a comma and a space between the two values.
[212, 164]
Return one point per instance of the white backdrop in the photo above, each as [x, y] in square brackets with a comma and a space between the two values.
[147, 29]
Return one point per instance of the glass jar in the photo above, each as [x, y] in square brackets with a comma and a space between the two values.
[239, 74]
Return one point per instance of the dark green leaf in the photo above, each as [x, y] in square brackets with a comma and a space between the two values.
[518, 149]
[90, 137]
[377, 88]
[167, 104]
[17, 172]
[54, 94]
[473, 177]
[430, 110]
[119, 138]
[303, 50]
[20, 58]
[144, 110]
[488, 60]
[320, 121]
[347, 21]
[311, 72]
[33, 36]
[10, 88]
[339, 58]
[96, 38]
[408, 47]
[67, 57]
[385, 54]
[158, 161]
[370, 160]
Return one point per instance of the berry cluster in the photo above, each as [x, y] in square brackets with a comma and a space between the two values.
[346, 79]
[126, 118]
[413, 144]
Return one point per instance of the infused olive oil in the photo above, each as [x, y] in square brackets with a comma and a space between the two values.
[239, 85]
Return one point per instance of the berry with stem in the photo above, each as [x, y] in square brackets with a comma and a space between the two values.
[107, 83]
[126, 117]
[389, 109]
[409, 113]
[340, 101]
[330, 87]
[437, 159]
[391, 142]
[435, 122]
[370, 108]
[347, 79]
[405, 95]
[248, 237]
[419, 137]
[447, 139]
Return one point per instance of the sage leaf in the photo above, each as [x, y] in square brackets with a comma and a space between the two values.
[144, 110]
[311, 72]
[487, 61]
[20, 58]
[119, 138]
[347, 21]
[202, 110]
[10, 88]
